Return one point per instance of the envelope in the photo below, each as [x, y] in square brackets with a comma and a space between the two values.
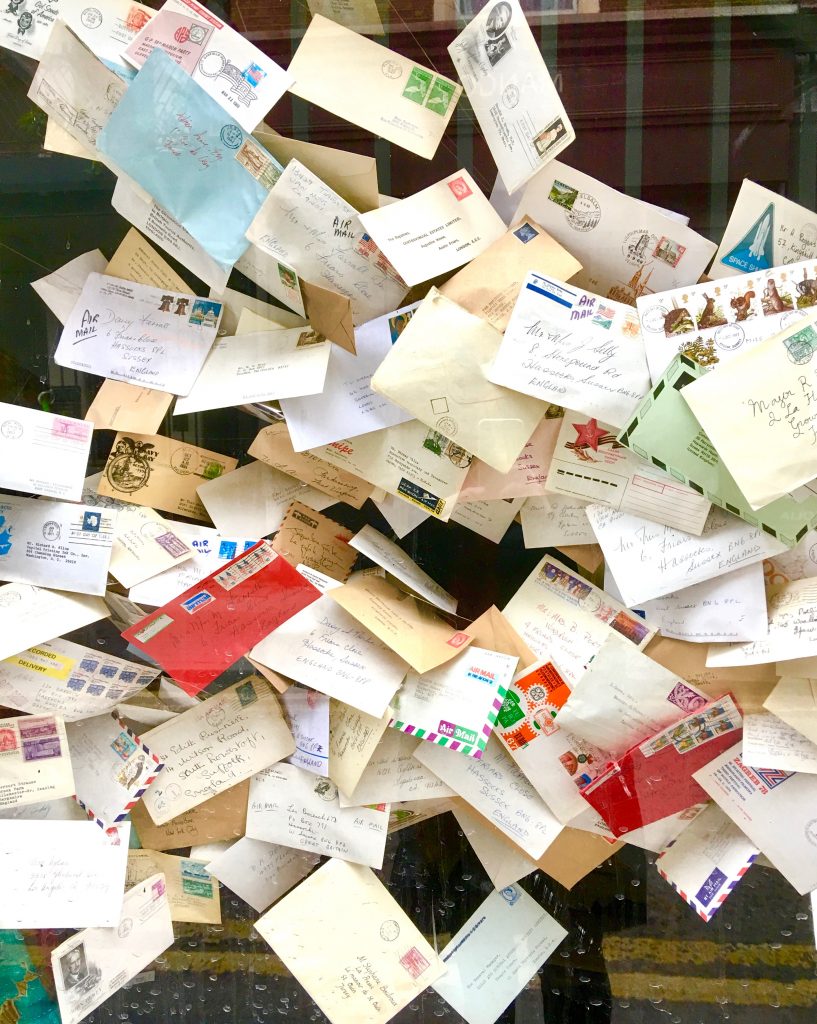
[489, 519]
[309, 226]
[794, 701]
[769, 742]
[202, 167]
[352, 175]
[128, 407]
[528, 474]
[222, 817]
[93, 964]
[353, 739]
[654, 779]
[61, 289]
[568, 346]
[255, 314]
[307, 537]
[57, 140]
[488, 286]
[592, 465]
[242, 79]
[373, 87]
[109, 30]
[512, 93]
[393, 775]
[280, 280]
[343, 919]
[360, 15]
[435, 230]
[135, 259]
[307, 715]
[502, 859]
[192, 892]
[161, 472]
[329, 313]
[764, 230]
[756, 412]
[55, 544]
[385, 553]
[41, 453]
[626, 246]
[29, 615]
[553, 519]
[260, 873]
[36, 760]
[144, 545]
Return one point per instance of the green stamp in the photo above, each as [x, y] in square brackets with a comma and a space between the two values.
[246, 694]
[801, 345]
[193, 887]
[439, 99]
[510, 713]
[417, 86]
[563, 195]
[196, 880]
[212, 470]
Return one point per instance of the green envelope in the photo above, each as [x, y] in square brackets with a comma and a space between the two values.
[664, 431]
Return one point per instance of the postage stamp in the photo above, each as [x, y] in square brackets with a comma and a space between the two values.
[39, 739]
[563, 195]
[414, 962]
[668, 251]
[172, 545]
[439, 99]
[418, 85]
[124, 745]
[460, 188]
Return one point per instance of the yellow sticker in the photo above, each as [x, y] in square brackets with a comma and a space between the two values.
[44, 662]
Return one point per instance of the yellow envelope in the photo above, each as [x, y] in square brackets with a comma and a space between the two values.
[309, 538]
[192, 892]
[161, 472]
[137, 260]
[493, 632]
[444, 385]
[488, 285]
[122, 406]
[373, 87]
[221, 817]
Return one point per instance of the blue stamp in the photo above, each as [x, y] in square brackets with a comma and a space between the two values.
[205, 313]
[95, 690]
[91, 521]
[253, 74]
[89, 665]
[231, 136]
[226, 550]
[127, 676]
[108, 671]
[76, 683]
[525, 232]
[249, 544]
[123, 745]
[197, 602]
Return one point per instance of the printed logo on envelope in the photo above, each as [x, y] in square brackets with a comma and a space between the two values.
[197, 601]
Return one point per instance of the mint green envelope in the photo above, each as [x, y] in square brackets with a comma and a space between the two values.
[664, 431]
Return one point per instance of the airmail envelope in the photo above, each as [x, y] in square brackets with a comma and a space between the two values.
[203, 631]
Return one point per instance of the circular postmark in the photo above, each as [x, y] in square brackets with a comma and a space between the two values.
[181, 461]
[638, 246]
[91, 17]
[215, 717]
[8, 598]
[812, 552]
[448, 426]
[810, 831]
[729, 337]
[125, 927]
[389, 930]
[151, 530]
[11, 429]
[51, 530]
[325, 790]
[792, 316]
[458, 456]
[231, 136]
[510, 96]
[653, 320]
[391, 69]
[197, 34]
[799, 349]
[585, 213]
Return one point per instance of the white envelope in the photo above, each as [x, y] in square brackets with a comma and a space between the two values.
[29, 615]
[36, 761]
[55, 544]
[107, 28]
[144, 545]
[489, 519]
[260, 873]
[307, 715]
[551, 520]
[396, 562]
[394, 775]
[769, 742]
[41, 453]
[61, 289]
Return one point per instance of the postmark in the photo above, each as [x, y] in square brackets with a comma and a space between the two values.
[791, 317]
[730, 337]
[510, 96]
[668, 251]
[125, 927]
[51, 530]
[638, 246]
[457, 455]
[91, 17]
[11, 429]
[231, 135]
[448, 426]
[418, 85]
[653, 320]
[128, 467]
[801, 345]
[391, 69]
[326, 790]
[389, 930]
[172, 545]
[414, 962]
[585, 212]
[460, 188]
[810, 831]
[216, 716]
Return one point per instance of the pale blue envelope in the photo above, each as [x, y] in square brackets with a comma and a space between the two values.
[190, 155]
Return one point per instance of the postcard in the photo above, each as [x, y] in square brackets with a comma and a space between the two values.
[456, 704]
[353, 739]
[273, 446]
[393, 775]
[432, 232]
[654, 779]
[307, 715]
[794, 701]
[144, 545]
[62, 874]
[260, 873]
[326, 648]
[592, 465]
[36, 760]
[707, 861]
[29, 615]
[347, 405]
[94, 964]
[712, 323]
[242, 79]
[128, 407]
[549, 520]
[391, 557]
[480, 984]
[756, 411]
[568, 346]
[55, 543]
[113, 767]
[61, 289]
[563, 617]
[490, 519]
[207, 628]
[214, 746]
[348, 942]
[772, 807]
[175, 141]
[411, 461]
[140, 334]
[529, 472]
[765, 230]
[293, 807]
[108, 30]
[161, 472]
[41, 453]
[769, 742]
[627, 247]
[306, 537]
[192, 892]
[373, 87]
[221, 817]
[444, 386]
[649, 560]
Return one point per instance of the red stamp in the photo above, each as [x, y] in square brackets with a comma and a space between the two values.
[459, 186]
[136, 19]
[458, 640]
[8, 740]
[182, 34]
[414, 962]
[72, 430]
[668, 251]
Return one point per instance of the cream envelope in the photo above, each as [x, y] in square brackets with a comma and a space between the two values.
[161, 472]
[758, 413]
[41, 453]
[353, 739]
[794, 701]
[553, 519]
[306, 538]
[393, 775]
[216, 745]
[529, 472]
[769, 742]
[221, 817]
[488, 285]
[350, 944]
[352, 175]
[192, 892]
[502, 859]
[396, 562]
[36, 760]
[437, 229]
[374, 87]
[400, 515]
[360, 15]
[96, 963]
[280, 280]
[144, 545]
[121, 406]
[29, 615]
[57, 140]
[404, 623]
[489, 519]
[445, 386]
[273, 447]
[511, 90]
[260, 873]
[253, 314]
[293, 807]
[55, 544]
[136, 260]
[61, 289]
[626, 246]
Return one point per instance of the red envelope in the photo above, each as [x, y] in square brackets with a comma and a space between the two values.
[654, 779]
[206, 629]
